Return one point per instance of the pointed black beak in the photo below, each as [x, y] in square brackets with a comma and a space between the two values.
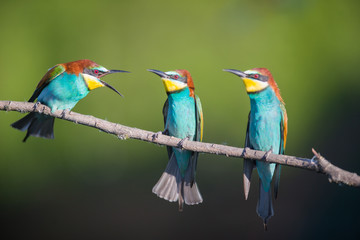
[111, 87]
[157, 72]
[117, 71]
[236, 72]
[108, 85]
[113, 71]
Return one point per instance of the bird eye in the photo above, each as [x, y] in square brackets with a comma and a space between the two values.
[256, 76]
[176, 77]
[96, 71]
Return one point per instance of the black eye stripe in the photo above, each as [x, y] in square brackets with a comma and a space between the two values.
[178, 78]
[259, 77]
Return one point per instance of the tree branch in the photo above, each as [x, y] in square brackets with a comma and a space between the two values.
[318, 163]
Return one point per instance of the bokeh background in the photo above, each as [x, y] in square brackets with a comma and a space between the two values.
[86, 184]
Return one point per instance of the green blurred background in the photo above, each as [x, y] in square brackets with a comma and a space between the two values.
[86, 184]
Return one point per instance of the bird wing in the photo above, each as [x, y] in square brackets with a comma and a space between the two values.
[248, 164]
[283, 136]
[199, 119]
[247, 139]
[198, 137]
[165, 113]
[284, 128]
[53, 73]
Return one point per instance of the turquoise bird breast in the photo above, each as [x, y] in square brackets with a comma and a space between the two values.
[64, 92]
[181, 123]
[264, 129]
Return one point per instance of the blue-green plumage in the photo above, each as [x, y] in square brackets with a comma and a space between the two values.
[61, 88]
[264, 129]
[64, 92]
[182, 119]
[181, 123]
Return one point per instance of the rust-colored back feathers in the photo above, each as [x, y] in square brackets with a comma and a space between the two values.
[77, 67]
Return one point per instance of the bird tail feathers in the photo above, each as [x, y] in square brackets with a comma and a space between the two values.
[264, 206]
[172, 187]
[191, 191]
[247, 172]
[168, 185]
[37, 125]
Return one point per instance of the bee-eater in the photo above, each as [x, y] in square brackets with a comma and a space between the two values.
[183, 118]
[61, 88]
[266, 131]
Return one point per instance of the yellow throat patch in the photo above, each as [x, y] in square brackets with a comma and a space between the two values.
[172, 86]
[92, 82]
[254, 85]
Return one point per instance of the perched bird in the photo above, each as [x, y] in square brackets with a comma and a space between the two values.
[183, 118]
[266, 131]
[61, 88]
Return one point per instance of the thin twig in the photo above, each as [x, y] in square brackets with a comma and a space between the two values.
[320, 164]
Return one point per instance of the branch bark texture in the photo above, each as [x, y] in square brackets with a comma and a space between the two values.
[318, 163]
